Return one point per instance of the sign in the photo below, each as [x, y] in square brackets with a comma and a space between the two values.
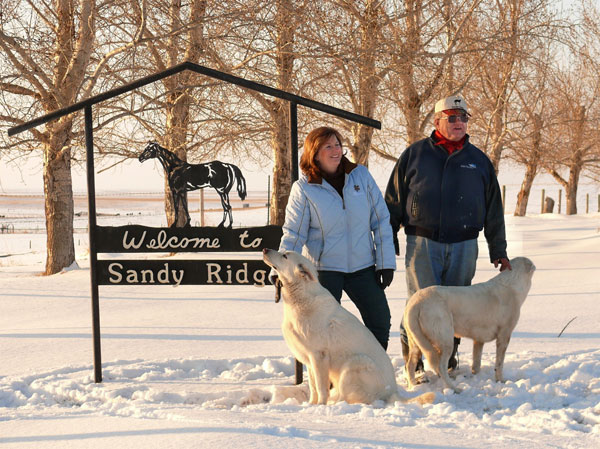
[143, 239]
[183, 272]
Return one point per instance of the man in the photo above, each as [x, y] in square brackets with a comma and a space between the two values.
[444, 191]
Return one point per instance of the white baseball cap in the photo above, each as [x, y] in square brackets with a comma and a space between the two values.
[451, 102]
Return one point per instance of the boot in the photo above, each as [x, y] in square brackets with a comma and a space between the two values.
[453, 360]
[405, 351]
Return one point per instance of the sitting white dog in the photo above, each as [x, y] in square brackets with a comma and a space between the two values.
[482, 312]
[335, 346]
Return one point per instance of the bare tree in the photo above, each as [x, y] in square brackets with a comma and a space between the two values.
[259, 43]
[253, 39]
[575, 148]
[527, 134]
[50, 58]
[523, 126]
[576, 144]
[427, 37]
[175, 34]
[523, 25]
[353, 60]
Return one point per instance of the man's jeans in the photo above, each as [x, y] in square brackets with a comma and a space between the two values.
[370, 300]
[432, 263]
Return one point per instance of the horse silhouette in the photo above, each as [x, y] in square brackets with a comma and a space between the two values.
[184, 177]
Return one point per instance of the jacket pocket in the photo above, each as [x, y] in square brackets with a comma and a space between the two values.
[414, 206]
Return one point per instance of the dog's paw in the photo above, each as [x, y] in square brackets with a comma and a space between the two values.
[453, 373]
[289, 394]
[422, 379]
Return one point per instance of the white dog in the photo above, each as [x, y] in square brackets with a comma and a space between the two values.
[335, 346]
[482, 312]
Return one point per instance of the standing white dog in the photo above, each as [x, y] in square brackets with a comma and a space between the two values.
[482, 312]
[335, 346]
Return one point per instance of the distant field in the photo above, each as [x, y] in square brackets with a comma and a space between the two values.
[25, 212]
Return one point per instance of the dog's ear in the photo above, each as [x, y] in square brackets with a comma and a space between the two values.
[305, 272]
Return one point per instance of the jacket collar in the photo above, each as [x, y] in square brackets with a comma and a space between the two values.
[433, 139]
[347, 166]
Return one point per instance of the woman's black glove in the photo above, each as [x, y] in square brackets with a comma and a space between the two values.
[396, 244]
[384, 277]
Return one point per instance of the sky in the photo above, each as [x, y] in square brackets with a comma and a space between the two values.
[207, 366]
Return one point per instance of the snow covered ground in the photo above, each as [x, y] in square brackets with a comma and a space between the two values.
[207, 367]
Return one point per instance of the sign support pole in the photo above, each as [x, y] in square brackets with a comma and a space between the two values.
[294, 139]
[293, 109]
[89, 146]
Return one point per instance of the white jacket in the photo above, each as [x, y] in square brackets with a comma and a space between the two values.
[338, 234]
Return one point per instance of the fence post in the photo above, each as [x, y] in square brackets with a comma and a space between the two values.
[587, 203]
[559, 199]
[268, 199]
[543, 198]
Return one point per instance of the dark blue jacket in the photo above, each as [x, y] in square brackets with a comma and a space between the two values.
[448, 198]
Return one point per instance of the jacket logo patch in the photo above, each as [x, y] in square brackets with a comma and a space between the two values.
[356, 188]
[470, 166]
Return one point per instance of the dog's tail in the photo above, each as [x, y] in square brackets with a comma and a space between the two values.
[425, 398]
[412, 323]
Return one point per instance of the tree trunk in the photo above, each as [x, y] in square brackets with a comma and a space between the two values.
[58, 198]
[497, 137]
[282, 174]
[413, 127]
[368, 81]
[531, 166]
[523, 198]
[178, 108]
[576, 161]
[179, 98]
[72, 51]
[571, 197]
[363, 135]
[571, 188]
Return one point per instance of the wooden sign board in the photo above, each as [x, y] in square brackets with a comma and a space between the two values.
[138, 239]
[183, 272]
[143, 239]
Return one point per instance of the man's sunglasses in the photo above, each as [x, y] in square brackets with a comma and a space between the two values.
[454, 118]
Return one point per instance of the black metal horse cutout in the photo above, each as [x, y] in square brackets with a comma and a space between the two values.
[183, 177]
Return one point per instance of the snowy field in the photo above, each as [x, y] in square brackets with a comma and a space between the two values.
[207, 367]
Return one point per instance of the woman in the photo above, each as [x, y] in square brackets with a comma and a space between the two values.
[337, 218]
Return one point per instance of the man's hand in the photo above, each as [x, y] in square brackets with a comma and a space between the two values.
[504, 264]
[384, 277]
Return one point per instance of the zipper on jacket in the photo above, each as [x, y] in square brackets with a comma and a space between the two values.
[414, 207]
[330, 188]
[441, 222]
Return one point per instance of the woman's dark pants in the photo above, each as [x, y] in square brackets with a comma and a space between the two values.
[370, 300]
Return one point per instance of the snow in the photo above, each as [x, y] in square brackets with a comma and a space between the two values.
[206, 366]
